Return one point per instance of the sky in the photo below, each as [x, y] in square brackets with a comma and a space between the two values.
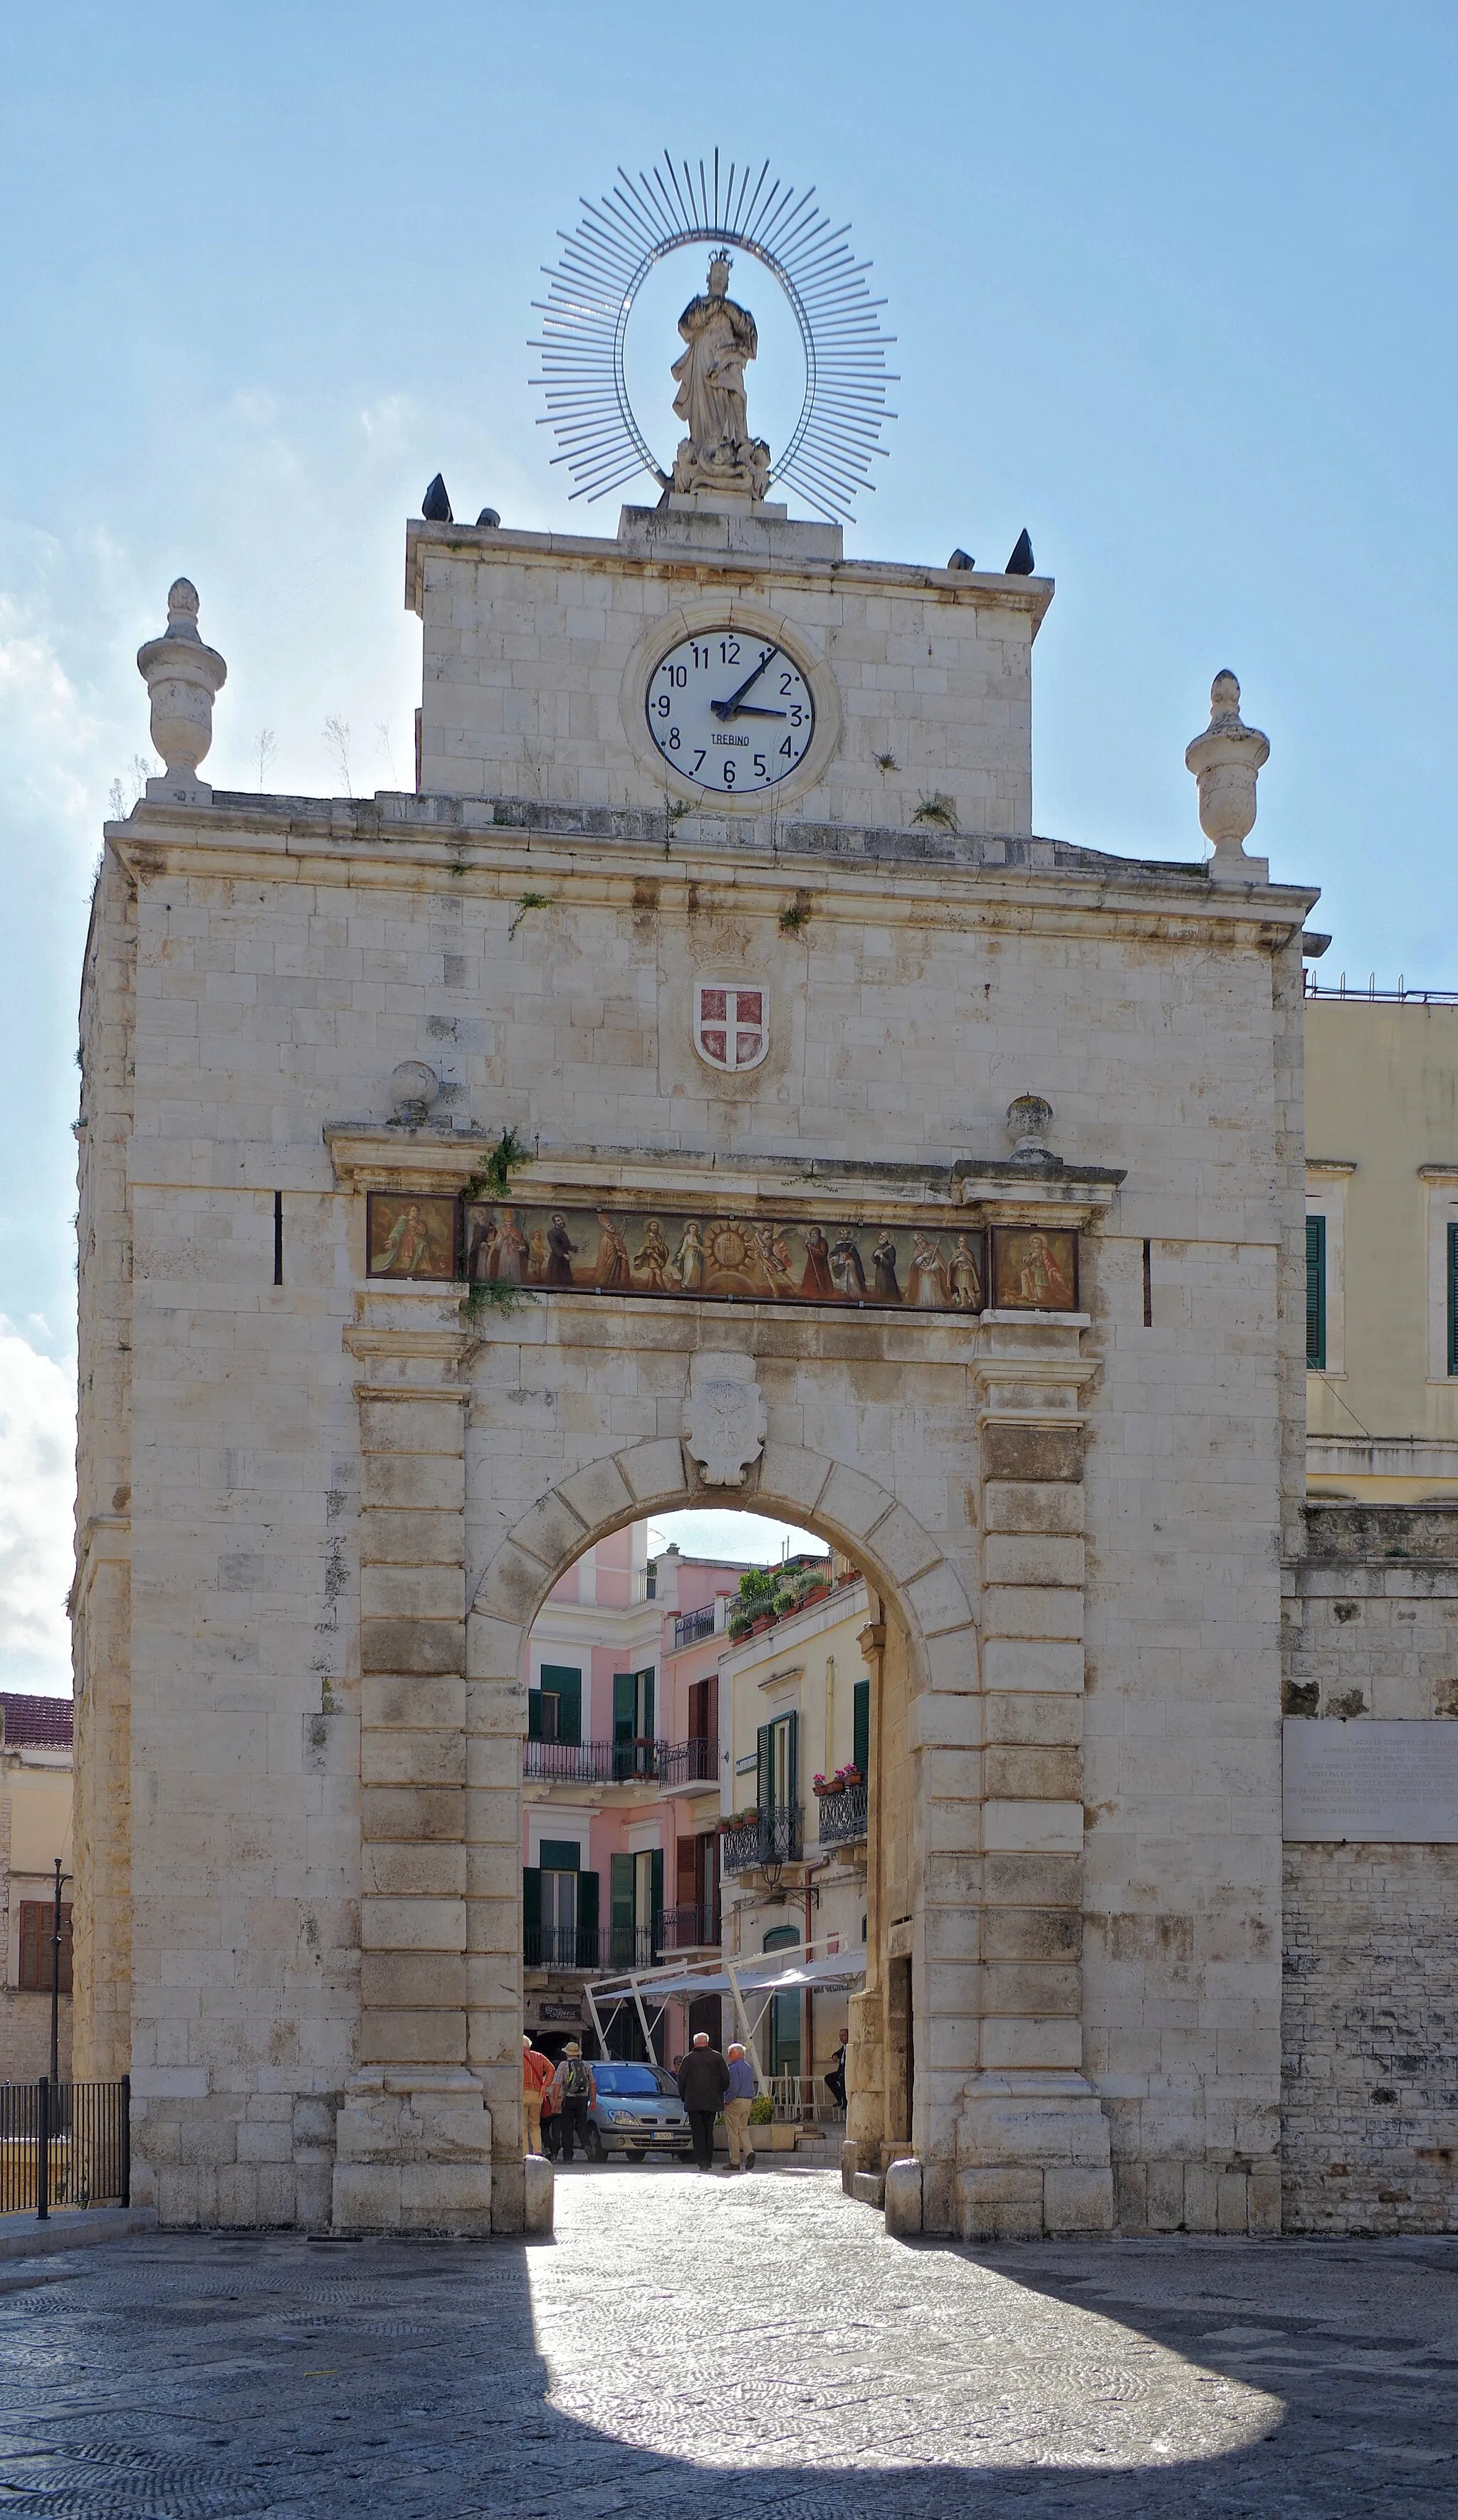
[1171, 287]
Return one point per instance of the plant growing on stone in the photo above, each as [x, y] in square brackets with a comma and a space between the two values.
[937, 809]
[527, 901]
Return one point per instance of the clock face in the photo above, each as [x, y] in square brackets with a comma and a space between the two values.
[730, 712]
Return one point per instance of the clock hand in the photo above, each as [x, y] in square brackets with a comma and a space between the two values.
[727, 708]
[747, 708]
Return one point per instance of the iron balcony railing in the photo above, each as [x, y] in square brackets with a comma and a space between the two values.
[622, 1763]
[689, 1928]
[772, 1837]
[64, 2143]
[593, 1763]
[693, 1625]
[688, 1763]
[589, 1950]
[843, 1815]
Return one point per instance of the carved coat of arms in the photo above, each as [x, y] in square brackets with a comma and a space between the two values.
[724, 1425]
[731, 1024]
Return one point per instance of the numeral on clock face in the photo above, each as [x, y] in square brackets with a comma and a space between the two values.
[733, 714]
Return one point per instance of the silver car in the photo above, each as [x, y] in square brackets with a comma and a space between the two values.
[638, 2111]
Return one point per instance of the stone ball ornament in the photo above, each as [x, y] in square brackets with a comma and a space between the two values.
[827, 458]
[1226, 762]
[183, 677]
[413, 1091]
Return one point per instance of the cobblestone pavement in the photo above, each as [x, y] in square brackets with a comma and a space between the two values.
[753, 2347]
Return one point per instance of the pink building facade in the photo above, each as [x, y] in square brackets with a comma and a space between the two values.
[621, 1783]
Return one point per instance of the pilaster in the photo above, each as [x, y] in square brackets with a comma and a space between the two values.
[414, 2134]
[1032, 2141]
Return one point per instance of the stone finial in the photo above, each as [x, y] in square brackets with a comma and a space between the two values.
[1227, 761]
[1029, 1119]
[183, 678]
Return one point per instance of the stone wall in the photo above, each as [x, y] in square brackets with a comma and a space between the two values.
[1370, 2004]
[1370, 2111]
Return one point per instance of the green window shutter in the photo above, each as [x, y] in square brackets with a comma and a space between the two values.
[1453, 1299]
[624, 1705]
[567, 1685]
[531, 1913]
[533, 1715]
[860, 1724]
[561, 1855]
[622, 1890]
[762, 1778]
[792, 1781]
[646, 1679]
[1316, 1291]
[588, 1919]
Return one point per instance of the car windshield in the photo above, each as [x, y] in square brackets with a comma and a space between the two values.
[631, 2082]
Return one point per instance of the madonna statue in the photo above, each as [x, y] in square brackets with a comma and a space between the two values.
[718, 452]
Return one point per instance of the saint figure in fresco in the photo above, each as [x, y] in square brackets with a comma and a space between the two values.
[926, 1278]
[884, 1269]
[817, 1282]
[559, 1249]
[536, 1266]
[964, 1277]
[847, 1273]
[653, 1260]
[1041, 1279]
[483, 1244]
[775, 1258]
[687, 1260]
[407, 1249]
[508, 1262]
[613, 1271]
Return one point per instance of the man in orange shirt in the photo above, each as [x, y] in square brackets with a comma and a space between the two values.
[536, 2074]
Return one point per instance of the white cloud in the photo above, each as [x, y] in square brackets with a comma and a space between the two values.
[37, 1492]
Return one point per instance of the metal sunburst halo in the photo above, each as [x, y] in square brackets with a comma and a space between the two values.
[608, 256]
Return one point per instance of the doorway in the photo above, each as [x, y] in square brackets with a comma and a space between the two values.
[784, 2011]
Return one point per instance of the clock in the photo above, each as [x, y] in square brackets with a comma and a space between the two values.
[730, 711]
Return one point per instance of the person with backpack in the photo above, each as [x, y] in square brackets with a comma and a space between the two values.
[574, 2090]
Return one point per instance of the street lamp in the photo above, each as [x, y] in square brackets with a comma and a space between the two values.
[56, 1979]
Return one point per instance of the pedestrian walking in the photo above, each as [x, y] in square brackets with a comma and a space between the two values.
[835, 2081]
[737, 2100]
[551, 2118]
[536, 2074]
[575, 2092]
[703, 2081]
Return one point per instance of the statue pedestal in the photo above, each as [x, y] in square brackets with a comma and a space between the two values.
[414, 2152]
[1032, 2150]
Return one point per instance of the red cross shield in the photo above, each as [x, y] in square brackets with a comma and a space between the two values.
[731, 1026]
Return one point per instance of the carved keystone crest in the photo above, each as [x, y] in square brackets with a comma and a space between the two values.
[724, 1421]
[731, 1024]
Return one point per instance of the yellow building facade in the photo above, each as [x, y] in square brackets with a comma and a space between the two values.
[1382, 1249]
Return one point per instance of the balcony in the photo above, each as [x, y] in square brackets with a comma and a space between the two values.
[842, 1817]
[688, 1763]
[592, 1763]
[673, 1764]
[604, 1947]
[689, 1929]
[693, 1625]
[772, 1837]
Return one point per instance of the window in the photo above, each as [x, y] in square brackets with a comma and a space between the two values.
[553, 1708]
[1316, 1293]
[632, 1724]
[38, 1943]
[637, 1890]
[861, 1726]
[560, 1909]
[1453, 1299]
[778, 1764]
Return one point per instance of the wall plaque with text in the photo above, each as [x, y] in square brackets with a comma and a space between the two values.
[1393, 1785]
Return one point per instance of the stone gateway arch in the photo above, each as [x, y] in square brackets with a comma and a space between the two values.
[468, 1172]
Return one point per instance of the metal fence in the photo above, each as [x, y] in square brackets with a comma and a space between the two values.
[688, 1763]
[693, 1625]
[794, 2097]
[64, 2144]
[688, 1928]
